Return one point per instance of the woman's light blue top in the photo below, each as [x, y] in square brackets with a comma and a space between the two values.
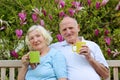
[52, 66]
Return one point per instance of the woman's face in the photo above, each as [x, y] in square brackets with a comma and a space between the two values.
[37, 41]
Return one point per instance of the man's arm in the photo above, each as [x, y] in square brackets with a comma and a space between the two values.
[99, 68]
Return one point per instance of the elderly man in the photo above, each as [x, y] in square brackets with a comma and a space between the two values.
[87, 64]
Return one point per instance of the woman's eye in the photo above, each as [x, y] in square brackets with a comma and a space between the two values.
[31, 38]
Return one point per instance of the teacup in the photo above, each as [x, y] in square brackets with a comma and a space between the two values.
[78, 46]
[34, 57]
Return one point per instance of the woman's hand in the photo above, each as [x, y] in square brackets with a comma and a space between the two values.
[25, 60]
[26, 63]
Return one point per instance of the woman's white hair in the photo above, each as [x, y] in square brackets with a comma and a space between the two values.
[42, 30]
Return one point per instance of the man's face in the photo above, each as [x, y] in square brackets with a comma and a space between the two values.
[69, 31]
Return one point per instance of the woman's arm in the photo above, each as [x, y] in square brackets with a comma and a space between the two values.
[60, 66]
[62, 79]
[22, 73]
[25, 63]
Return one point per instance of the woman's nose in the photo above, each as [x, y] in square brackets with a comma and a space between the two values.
[35, 39]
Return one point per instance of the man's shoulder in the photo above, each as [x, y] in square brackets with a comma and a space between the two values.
[90, 42]
[87, 41]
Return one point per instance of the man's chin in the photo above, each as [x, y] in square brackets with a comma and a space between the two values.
[70, 41]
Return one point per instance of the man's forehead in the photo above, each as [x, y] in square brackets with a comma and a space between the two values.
[67, 22]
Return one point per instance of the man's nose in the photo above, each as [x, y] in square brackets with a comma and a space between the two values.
[68, 31]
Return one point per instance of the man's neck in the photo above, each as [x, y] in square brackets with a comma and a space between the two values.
[79, 39]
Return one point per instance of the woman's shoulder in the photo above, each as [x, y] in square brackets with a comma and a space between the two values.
[58, 44]
[55, 52]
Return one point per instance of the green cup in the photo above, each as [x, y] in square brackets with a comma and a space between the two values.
[34, 57]
[78, 46]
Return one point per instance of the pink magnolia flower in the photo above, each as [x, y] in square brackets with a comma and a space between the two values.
[71, 11]
[106, 32]
[108, 40]
[115, 53]
[50, 17]
[96, 32]
[42, 22]
[22, 16]
[97, 5]
[3, 24]
[34, 17]
[19, 33]
[118, 6]
[37, 11]
[61, 14]
[14, 54]
[59, 37]
[2, 28]
[109, 51]
[44, 12]
[62, 3]
[89, 2]
[77, 6]
[104, 2]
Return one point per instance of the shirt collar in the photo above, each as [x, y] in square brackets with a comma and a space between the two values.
[65, 43]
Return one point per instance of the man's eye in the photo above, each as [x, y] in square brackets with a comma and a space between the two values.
[71, 28]
[64, 29]
[38, 35]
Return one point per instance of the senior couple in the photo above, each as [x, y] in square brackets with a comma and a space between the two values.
[58, 61]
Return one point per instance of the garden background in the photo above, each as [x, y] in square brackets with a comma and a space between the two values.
[99, 21]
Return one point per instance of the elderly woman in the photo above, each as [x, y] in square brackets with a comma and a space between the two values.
[52, 63]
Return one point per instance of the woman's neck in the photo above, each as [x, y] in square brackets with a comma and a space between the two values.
[44, 51]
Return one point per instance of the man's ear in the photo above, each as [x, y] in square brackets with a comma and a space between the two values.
[59, 31]
[78, 27]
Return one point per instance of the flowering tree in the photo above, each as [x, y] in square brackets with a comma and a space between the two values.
[99, 21]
